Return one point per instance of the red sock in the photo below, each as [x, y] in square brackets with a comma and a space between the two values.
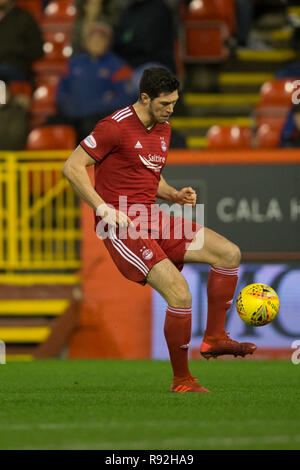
[177, 331]
[221, 286]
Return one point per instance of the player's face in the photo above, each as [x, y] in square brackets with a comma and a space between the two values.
[162, 107]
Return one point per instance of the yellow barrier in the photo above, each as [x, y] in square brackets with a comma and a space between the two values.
[39, 214]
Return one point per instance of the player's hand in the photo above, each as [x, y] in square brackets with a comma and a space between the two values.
[186, 196]
[113, 217]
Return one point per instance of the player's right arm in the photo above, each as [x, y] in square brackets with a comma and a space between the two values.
[75, 171]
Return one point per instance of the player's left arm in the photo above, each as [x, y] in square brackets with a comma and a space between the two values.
[183, 196]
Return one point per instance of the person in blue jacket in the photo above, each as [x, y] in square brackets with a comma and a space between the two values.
[290, 133]
[96, 83]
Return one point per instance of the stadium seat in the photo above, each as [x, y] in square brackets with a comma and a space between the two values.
[204, 43]
[57, 49]
[49, 78]
[20, 88]
[206, 25]
[43, 98]
[57, 46]
[229, 137]
[276, 94]
[59, 11]
[272, 119]
[52, 138]
[268, 136]
[33, 6]
[275, 101]
[211, 10]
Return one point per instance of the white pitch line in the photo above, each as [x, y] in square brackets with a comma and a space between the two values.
[169, 444]
[117, 424]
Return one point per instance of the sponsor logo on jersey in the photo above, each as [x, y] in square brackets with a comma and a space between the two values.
[138, 145]
[90, 142]
[153, 162]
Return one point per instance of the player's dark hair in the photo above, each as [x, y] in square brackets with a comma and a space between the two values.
[157, 80]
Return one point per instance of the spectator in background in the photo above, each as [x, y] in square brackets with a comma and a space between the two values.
[97, 83]
[245, 15]
[290, 134]
[146, 34]
[21, 42]
[14, 126]
[92, 11]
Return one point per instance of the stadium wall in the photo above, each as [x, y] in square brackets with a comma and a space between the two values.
[252, 197]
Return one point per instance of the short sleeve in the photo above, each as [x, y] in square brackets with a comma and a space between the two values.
[104, 138]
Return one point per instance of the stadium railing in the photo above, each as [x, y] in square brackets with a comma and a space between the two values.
[39, 214]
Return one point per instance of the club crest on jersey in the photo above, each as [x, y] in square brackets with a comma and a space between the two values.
[153, 162]
[163, 145]
[90, 142]
[147, 254]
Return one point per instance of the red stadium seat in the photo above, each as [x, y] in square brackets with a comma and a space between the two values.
[43, 104]
[268, 136]
[272, 120]
[20, 88]
[43, 98]
[206, 25]
[211, 10]
[205, 43]
[49, 78]
[277, 93]
[275, 100]
[57, 49]
[52, 138]
[33, 6]
[229, 137]
[59, 11]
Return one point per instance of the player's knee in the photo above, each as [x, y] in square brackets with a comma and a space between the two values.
[232, 256]
[180, 296]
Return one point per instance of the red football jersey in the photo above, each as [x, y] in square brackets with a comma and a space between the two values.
[129, 158]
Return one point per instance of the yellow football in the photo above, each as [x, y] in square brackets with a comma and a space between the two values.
[257, 304]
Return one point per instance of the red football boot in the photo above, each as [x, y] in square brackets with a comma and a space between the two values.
[214, 346]
[187, 384]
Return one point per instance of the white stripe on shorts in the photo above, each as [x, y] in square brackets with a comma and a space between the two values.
[127, 254]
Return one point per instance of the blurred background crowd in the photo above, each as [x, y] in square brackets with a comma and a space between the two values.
[68, 63]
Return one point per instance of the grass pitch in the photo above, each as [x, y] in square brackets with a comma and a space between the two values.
[55, 404]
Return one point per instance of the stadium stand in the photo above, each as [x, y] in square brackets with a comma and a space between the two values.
[229, 137]
[33, 6]
[59, 14]
[268, 136]
[239, 88]
[43, 104]
[52, 138]
[205, 28]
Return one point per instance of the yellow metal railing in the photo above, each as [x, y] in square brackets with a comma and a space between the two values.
[39, 213]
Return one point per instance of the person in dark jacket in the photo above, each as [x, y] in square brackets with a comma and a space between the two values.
[21, 42]
[146, 34]
[14, 122]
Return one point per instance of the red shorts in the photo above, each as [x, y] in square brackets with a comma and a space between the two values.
[134, 257]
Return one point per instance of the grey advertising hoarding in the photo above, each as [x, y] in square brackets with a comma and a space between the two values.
[279, 334]
[255, 206]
